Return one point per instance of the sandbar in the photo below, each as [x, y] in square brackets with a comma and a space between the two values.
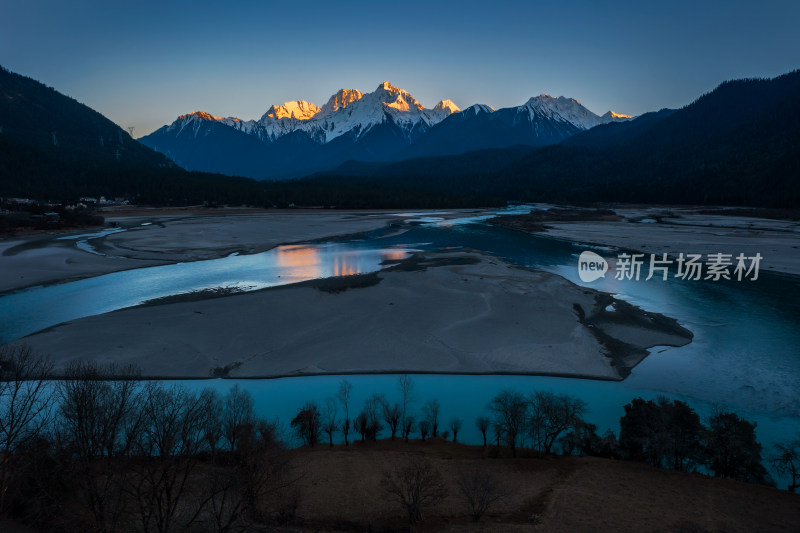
[437, 312]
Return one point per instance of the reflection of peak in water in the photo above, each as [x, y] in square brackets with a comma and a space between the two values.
[345, 265]
[394, 255]
[303, 259]
[293, 255]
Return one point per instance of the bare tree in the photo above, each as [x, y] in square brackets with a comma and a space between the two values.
[330, 424]
[37, 482]
[25, 398]
[345, 391]
[361, 424]
[406, 385]
[416, 486]
[244, 492]
[212, 431]
[509, 408]
[431, 413]
[582, 438]
[483, 423]
[263, 476]
[408, 428]
[424, 428]
[307, 424]
[551, 415]
[373, 408]
[455, 427]
[497, 430]
[217, 483]
[100, 419]
[479, 489]
[238, 412]
[786, 462]
[225, 510]
[392, 415]
[170, 439]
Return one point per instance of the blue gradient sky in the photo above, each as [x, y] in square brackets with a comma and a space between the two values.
[142, 63]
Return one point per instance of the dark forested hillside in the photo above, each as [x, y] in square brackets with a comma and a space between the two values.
[737, 145]
[478, 161]
[47, 139]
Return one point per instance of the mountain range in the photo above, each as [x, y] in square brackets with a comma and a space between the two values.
[57, 150]
[297, 138]
[736, 145]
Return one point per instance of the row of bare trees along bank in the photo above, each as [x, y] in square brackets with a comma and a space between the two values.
[99, 449]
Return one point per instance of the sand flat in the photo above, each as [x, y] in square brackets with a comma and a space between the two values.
[47, 258]
[442, 312]
[684, 231]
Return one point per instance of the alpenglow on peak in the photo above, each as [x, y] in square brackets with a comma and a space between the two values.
[384, 124]
[446, 106]
[340, 100]
[618, 116]
[299, 109]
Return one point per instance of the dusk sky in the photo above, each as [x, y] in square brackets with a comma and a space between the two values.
[143, 63]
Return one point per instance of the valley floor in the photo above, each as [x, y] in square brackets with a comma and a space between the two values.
[443, 313]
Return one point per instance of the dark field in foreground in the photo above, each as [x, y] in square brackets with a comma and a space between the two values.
[341, 491]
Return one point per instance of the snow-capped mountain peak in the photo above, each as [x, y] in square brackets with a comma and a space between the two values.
[396, 98]
[440, 111]
[202, 115]
[569, 110]
[609, 116]
[281, 119]
[477, 109]
[299, 109]
[351, 112]
[196, 120]
[340, 100]
[447, 107]
[563, 109]
[381, 125]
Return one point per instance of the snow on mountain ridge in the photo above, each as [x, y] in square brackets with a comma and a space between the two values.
[341, 99]
[195, 120]
[299, 109]
[198, 114]
[362, 111]
[446, 106]
[570, 110]
[611, 115]
[351, 111]
[478, 108]
[563, 109]
[442, 110]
